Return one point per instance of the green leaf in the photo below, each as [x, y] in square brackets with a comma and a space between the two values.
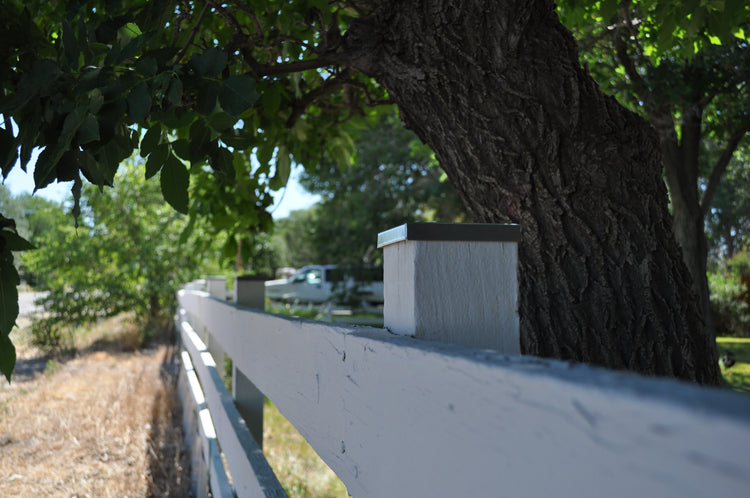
[283, 165]
[207, 97]
[98, 173]
[146, 66]
[271, 100]
[221, 121]
[70, 44]
[96, 100]
[129, 31]
[90, 78]
[150, 140]
[238, 138]
[175, 118]
[187, 231]
[68, 166]
[174, 95]
[89, 130]
[14, 242]
[216, 59]
[156, 160]
[174, 181]
[608, 9]
[8, 151]
[222, 163]
[8, 292]
[230, 248]
[265, 153]
[237, 94]
[181, 147]
[113, 152]
[139, 102]
[44, 74]
[211, 62]
[76, 191]
[200, 137]
[46, 164]
[7, 356]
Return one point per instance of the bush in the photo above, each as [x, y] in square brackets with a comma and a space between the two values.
[730, 311]
[125, 256]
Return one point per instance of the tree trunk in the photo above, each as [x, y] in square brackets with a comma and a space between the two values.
[526, 136]
[681, 167]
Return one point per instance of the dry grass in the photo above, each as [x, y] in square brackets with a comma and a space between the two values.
[300, 470]
[99, 424]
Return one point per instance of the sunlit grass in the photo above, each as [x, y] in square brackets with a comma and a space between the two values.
[737, 376]
[300, 470]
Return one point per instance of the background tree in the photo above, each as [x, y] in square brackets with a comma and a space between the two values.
[292, 238]
[393, 180]
[495, 89]
[728, 220]
[690, 78]
[124, 256]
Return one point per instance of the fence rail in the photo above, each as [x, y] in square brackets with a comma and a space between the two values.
[395, 416]
[426, 411]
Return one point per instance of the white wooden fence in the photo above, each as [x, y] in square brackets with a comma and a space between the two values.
[395, 415]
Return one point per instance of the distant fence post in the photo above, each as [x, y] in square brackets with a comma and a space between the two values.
[217, 287]
[249, 291]
[453, 283]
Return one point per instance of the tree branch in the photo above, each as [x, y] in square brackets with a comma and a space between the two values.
[327, 60]
[658, 109]
[251, 14]
[229, 18]
[300, 105]
[720, 167]
[371, 100]
[190, 39]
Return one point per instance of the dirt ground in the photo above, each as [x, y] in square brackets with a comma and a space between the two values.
[103, 422]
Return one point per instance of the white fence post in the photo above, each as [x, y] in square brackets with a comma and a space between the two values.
[249, 292]
[217, 287]
[453, 283]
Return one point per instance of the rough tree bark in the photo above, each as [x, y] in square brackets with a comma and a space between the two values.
[681, 168]
[526, 136]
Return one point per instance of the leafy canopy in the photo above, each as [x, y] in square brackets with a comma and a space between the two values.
[690, 26]
[223, 95]
[198, 88]
[684, 66]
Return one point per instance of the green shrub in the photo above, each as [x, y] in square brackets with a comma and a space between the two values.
[728, 306]
[51, 336]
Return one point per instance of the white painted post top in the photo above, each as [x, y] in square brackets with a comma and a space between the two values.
[453, 282]
[217, 286]
[250, 291]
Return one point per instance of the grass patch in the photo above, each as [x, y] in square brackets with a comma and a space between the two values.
[300, 470]
[325, 313]
[737, 376]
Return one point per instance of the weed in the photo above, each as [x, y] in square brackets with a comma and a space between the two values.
[51, 368]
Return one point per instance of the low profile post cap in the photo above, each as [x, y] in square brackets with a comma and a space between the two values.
[252, 278]
[477, 232]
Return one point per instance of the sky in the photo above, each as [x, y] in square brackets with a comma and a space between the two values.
[295, 197]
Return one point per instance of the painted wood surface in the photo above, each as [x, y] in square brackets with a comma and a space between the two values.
[196, 424]
[251, 474]
[395, 416]
[459, 292]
